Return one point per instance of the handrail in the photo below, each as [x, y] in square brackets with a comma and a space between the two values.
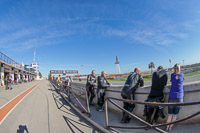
[75, 96]
[156, 104]
[136, 127]
[155, 127]
[187, 91]
[10, 61]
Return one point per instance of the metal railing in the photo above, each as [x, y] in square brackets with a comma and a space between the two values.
[147, 125]
[80, 90]
[10, 61]
[71, 94]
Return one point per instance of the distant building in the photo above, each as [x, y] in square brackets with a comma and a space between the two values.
[35, 67]
[117, 66]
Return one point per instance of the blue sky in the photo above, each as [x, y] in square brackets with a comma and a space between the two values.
[68, 33]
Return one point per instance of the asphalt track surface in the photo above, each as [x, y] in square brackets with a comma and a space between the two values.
[42, 110]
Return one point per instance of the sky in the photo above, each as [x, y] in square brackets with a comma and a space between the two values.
[88, 34]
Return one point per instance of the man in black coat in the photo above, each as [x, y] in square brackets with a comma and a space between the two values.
[133, 81]
[159, 81]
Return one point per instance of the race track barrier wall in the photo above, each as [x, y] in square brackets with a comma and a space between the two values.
[191, 90]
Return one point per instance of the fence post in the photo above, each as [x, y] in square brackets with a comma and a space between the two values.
[87, 102]
[68, 91]
[106, 111]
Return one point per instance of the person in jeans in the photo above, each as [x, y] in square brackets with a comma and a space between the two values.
[159, 81]
[103, 84]
[176, 94]
[133, 81]
[91, 83]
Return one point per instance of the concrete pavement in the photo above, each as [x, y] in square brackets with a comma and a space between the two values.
[45, 111]
[42, 111]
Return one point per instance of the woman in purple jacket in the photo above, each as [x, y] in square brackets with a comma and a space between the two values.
[176, 94]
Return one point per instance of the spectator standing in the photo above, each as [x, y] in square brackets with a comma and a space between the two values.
[103, 84]
[159, 81]
[176, 94]
[91, 83]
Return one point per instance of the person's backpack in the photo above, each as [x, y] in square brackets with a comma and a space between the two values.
[66, 82]
[130, 82]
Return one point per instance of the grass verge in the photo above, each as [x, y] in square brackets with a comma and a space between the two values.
[148, 78]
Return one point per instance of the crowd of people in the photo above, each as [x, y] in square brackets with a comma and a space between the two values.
[9, 82]
[66, 82]
[133, 82]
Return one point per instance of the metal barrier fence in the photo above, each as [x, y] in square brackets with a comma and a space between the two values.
[148, 125]
[81, 90]
[10, 61]
[71, 94]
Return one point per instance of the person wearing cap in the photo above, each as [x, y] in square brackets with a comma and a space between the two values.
[133, 81]
[175, 95]
[159, 81]
[103, 84]
[91, 83]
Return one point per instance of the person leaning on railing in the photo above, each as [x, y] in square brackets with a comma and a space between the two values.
[176, 94]
[66, 83]
[70, 80]
[133, 81]
[102, 86]
[159, 81]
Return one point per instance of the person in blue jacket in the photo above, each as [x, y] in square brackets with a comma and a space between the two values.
[176, 94]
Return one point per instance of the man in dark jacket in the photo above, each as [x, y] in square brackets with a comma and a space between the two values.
[159, 81]
[91, 83]
[133, 81]
[102, 86]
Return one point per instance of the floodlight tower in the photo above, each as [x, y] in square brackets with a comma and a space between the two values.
[117, 66]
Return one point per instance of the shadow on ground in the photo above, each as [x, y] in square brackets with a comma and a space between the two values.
[22, 129]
